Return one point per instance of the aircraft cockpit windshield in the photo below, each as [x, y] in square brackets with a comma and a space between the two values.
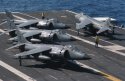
[74, 48]
[62, 32]
[55, 20]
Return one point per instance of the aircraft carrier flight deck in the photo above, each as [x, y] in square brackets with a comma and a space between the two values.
[107, 62]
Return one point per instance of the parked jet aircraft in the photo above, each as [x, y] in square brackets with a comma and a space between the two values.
[104, 19]
[38, 36]
[47, 52]
[93, 25]
[37, 23]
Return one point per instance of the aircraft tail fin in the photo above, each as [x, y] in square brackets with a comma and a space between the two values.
[10, 24]
[20, 37]
[11, 27]
[82, 24]
[9, 14]
[79, 26]
[107, 26]
[108, 22]
[21, 41]
[103, 29]
[79, 15]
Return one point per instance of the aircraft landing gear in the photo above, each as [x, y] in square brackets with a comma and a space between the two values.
[113, 30]
[78, 32]
[20, 60]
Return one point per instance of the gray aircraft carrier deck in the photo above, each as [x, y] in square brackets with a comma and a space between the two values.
[107, 63]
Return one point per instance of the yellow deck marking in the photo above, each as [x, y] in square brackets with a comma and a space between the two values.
[105, 75]
[110, 77]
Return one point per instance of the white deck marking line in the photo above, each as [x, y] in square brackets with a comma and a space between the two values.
[19, 17]
[11, 12]
[72, 12]
[92, 43]
[2, 23]
[28, 15]
[15, 71]
[3, 31]
[1, 80]
[115, 47]
[86, 66]
[53, 77]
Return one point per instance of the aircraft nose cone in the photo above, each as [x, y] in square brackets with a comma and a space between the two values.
[80, 56]
[67, 27]
[72, 39]
[65, 38]
[83, 56]
[86, 57]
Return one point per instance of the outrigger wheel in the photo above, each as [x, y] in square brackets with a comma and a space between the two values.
[20, 60]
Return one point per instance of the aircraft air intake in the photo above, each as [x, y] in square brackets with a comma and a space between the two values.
[50, 37]
[63, 54]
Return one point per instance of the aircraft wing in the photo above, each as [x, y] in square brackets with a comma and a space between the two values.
[28, 34]
[29, 22]
[103, 29]
[7, 32]
[16, 46]
[9, 14]
[83, 24]
[103, 19]
[84, 20]
[34, 51]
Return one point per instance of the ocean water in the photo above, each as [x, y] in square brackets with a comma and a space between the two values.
[111, 8]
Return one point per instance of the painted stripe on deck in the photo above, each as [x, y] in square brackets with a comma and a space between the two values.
[28, 15]
[108, 76]
[1, 80]
[3, 23]
[19, 17]
[11, 12]
[115, 47]
[15, 71]
[3, 32]
[53, 77]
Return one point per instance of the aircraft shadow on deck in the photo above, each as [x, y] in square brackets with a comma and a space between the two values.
[68, 66]
[117, 37]
[110, 36]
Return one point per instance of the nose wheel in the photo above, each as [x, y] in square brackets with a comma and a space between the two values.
[51, 26]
